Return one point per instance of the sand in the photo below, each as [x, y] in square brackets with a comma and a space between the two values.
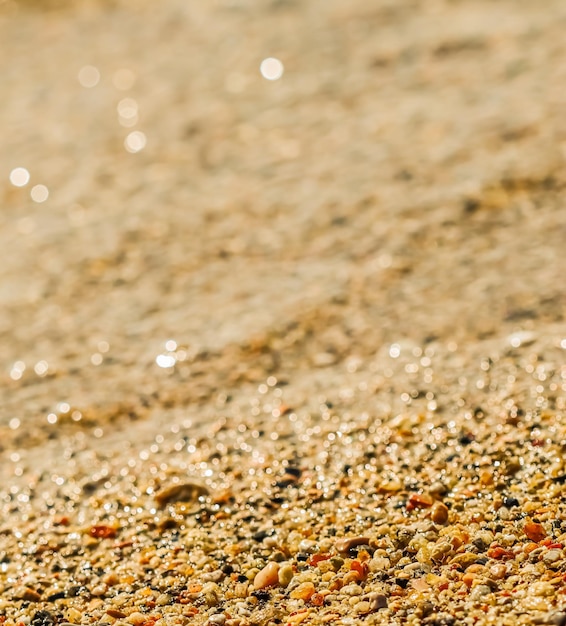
[328, 304]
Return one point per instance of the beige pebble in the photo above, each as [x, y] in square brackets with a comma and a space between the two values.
[362, 607]
[285, 574]
[297, 618]
[541, 588]
[479, 591]
[241, 590]
[552, 556]
[252, 573]
[352, 590]
[498, 571]
[465, 559]
[211, 593]
[110, 579]
[267, 577]
[379, 564]
[136, 618]
[72, 615]
[99, 590]
[163, 599]
[441, 551]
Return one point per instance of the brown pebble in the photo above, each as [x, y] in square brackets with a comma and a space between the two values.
[28, 595]
[268, 576]
[115, 613]
[377, 600]
[439, 513]
[345, 544]
[181, 492]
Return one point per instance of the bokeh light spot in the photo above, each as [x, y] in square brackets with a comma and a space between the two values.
[135, 141]
[89, 76]
[19, 177]
[271, 68]
[39, 193]
[165, 360]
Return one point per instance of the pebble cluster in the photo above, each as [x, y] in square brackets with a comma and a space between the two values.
[295, 515]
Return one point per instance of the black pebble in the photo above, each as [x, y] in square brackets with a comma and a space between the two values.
[262, 534]
[42, 618]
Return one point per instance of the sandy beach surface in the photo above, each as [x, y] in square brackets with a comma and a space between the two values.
[282, 334]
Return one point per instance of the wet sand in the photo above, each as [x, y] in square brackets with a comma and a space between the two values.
[331, 305]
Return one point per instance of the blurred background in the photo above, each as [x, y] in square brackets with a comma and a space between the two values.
[197, 195]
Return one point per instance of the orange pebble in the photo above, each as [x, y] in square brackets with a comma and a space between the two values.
[304, 591]
[421, 500]
[468, 579]
[534, 531]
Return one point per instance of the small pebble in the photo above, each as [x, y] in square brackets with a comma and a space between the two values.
[421, 500]
[351, 577]
[180, 492]
[215, 576]
[534, 531]
[464, 560]
[379, 564]
[346, 544]
[211, 593]
[306, 545]
[552, 556]
[27, 594]
[438, 489]
[362, 607]
[479, 591]
[163, 599]
[267, 577]
[498, 571]
[377, 600]
[285, 574]
[303, 592]
[337, 562]
[541, 588]
[439, 513]
[352, 590]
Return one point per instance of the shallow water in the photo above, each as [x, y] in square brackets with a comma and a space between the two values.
[399, 183]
